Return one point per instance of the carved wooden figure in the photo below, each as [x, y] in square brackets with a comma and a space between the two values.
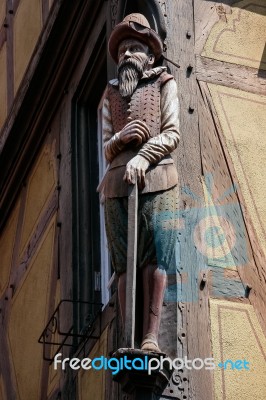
[141, 129]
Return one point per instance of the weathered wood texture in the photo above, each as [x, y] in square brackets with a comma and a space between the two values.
[45, 10]
[112, 10]
[223, 195]
[65, 209]
[42, 89]
[16, 155]
[19, 267]
[246, 79]
[6, 367]
[193, 329]
[31, 126]
[252, 273]
[207, 13]
[232, 75]
[73, 90]
[10, 57]
[226, 284]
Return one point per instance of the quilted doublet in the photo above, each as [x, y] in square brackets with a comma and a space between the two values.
[144, 105]
[119, 109]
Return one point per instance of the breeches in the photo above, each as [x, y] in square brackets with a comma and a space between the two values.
[157, 230]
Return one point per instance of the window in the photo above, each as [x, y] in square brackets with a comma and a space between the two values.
[91, 266]
[106, 269]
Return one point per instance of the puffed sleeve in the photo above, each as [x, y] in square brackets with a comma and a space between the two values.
[111, 141]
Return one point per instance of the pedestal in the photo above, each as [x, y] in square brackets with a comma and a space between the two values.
[139, 382]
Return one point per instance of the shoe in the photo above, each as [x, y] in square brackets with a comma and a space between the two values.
[150, 343]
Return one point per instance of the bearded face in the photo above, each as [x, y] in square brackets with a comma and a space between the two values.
[130, 71]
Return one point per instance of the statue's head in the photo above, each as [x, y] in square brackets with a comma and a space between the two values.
[135, 47]
[135, 26]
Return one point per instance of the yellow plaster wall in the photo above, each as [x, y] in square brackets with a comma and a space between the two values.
[91, 381]
[54, 375]
[237, 335]
[243, 119]
[3, 85]
[241, 38]
[27, 27]
[7, 239]
[28, 317]
[41, 185]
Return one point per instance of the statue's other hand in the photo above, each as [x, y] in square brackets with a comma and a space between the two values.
[136, 168]
[135, 131]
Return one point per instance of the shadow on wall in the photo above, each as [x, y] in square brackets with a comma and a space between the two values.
[262, 71]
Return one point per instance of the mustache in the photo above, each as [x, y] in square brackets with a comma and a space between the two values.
[132, 63]
[137, 61]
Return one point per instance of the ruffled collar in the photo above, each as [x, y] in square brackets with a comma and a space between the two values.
[149, 74]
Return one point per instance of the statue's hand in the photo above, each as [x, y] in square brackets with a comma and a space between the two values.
[136, 167]
[136, 131]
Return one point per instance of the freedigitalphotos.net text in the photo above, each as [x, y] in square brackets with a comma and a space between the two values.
[146, 364]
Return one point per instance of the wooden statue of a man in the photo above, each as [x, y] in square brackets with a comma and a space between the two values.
[140, 128]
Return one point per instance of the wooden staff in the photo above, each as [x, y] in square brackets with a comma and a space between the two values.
[132, 235]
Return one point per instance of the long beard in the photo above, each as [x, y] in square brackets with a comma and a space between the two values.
[129, 73]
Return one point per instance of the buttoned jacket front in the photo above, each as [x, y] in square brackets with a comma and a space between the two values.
[155, 102]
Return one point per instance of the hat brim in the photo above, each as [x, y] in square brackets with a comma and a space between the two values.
[126, 30]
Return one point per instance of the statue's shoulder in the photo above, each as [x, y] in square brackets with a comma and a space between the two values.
[165, 77]
[113, 82]
[159, 74]
[112, 87]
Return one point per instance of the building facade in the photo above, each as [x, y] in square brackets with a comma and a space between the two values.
[57, 288]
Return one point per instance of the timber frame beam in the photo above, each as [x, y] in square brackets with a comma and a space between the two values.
[230, 75]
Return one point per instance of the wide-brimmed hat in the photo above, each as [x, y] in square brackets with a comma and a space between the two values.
[135, 26]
